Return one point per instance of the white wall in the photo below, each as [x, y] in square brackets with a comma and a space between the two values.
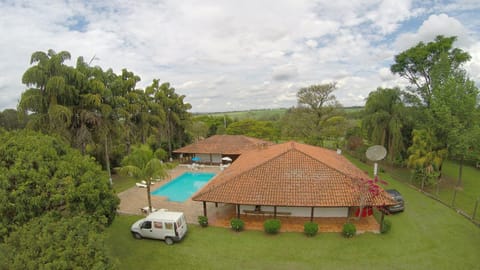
[303, 211]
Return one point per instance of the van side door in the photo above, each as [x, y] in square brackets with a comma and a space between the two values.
[169, 229]
[159, 229]
[147, 230]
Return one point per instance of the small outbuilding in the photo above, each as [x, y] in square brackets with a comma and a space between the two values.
[221, 148]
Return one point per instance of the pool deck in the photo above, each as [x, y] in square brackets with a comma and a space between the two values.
[135, 198]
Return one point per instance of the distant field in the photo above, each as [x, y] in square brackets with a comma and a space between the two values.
[266, 114]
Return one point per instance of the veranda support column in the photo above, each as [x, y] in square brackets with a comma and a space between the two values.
[311, 214]
[205, 208]
[275, 211]
[238, 211]
[381, 220]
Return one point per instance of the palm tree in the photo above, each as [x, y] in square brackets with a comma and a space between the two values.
[52, 92]
[175, 112]
[424, 158]
[141, 164]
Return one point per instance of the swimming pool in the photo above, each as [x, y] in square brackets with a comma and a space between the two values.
[184, 186]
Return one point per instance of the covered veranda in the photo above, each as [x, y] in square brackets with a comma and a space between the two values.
[289, 223]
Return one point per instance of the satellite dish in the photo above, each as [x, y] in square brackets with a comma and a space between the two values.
[376, 153]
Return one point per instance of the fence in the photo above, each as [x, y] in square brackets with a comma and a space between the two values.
[464, 199]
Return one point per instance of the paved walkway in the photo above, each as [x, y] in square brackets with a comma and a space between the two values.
[135, 198]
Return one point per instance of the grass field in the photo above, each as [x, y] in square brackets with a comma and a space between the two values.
[121, 183]
[267, 114]
[469, 192]
[427, 235]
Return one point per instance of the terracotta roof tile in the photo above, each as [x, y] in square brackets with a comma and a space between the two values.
[289, 174]
[223, 144]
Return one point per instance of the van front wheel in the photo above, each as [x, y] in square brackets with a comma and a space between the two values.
[137, 235]
[169, 241]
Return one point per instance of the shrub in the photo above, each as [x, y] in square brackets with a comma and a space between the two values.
[310, 228]
[237, 224]
[386, 226]
[349, 230]
[203, 221]
[272, 226]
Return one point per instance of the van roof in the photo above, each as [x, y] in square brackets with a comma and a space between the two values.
[165, 215]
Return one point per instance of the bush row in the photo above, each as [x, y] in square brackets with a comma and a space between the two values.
[272, 226]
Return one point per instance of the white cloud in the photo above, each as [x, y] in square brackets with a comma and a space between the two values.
[435, 25]
[389, 15]
[230, 55]
[284, 72]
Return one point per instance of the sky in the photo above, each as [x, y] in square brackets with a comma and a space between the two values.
[235, 55]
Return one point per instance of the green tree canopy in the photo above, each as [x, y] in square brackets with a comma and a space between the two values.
[385, 119]
[417, 64]
[55, 242]
[312, 118]
[10, 120]
[446, 99]
[253, 128]
[100, 112]
[39, 173]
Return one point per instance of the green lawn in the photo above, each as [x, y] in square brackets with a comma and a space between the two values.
[121, 183]
[469, 192]
[427, 235]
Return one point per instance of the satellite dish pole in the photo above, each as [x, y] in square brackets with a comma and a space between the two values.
[376, 153]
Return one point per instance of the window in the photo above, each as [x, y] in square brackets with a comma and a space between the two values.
[168, 225]
[158, 225]
[147, 225]
[180, 222]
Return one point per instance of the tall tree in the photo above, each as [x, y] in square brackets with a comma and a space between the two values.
[416, 65]
[444, 94]
[385, 117]
[143, 164]
[177, 117]
[309, 120]
[51, 94]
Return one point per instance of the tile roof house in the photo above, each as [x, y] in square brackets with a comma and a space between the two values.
[291, 179]
[212, 149]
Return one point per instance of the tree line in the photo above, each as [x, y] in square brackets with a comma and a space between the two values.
[99, 112]
[103, 114]
[436, 117]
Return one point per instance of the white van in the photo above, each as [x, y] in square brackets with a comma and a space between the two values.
[163, 225]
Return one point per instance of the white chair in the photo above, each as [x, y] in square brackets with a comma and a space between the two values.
[145, 182]
[145, 210]
[141, 185]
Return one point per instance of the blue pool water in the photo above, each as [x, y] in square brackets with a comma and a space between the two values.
[184, 186]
